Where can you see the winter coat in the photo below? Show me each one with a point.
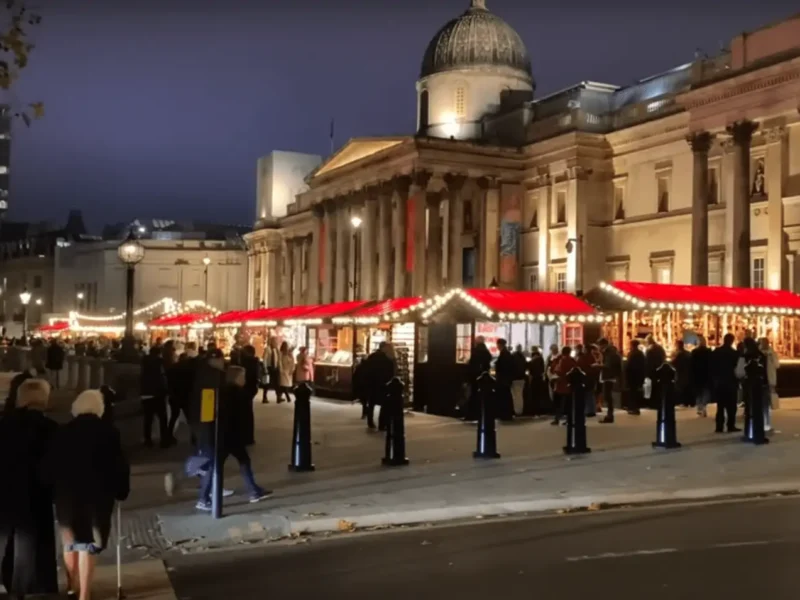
(683, 369)
(153, 379)
(88, 472)
(561, 369)
(701, 367)
(612, 364)
(304, 370)
(480, 361)
(26, 503)
(235, 402)
(773, 363)
(55, 357)
(635, 370)
(723, 366)
(504, 368)
(654, 358)
(380, 369)
(287, 370)
(252, 372)
(520, 365)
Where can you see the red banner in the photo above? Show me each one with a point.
(411, 207)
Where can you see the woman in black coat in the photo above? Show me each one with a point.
(88, 472)
(27, 534)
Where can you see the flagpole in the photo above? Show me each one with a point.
(332, 124)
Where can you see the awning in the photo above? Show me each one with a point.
(372, 313)
(230, 318)
(509, 305)
(715, 299)
(316, 315)
(56, 327)
(276, 316)
(172, 321)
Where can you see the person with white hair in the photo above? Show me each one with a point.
(88, 473)
(27, 533)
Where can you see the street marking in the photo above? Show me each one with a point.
(607, 555)
(742, 544)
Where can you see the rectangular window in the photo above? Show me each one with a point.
(663, 273)
(715, 270)
(560, 208)
(663, 194)
(561, 281)
(758, 273)
(618, 272)
(461, 104)
(533, 280)
(619, 202)
(573, 334)
(467, 216)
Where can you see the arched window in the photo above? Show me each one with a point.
(423, 111)
(461, 102)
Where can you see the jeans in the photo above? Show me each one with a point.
(727, 396)
(517, 389)
(245, 470)
(702, 396)
(591, 404)
(155, 406)
(608, 398)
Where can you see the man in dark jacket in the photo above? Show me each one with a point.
(701, 376)
(55, 361)
(634, 377)
(504, 375)
(726, 386)
(681, 362)
(252, 376)
(518, 382)
(610, 373)
(480, 362)
(380, 368)
(153, 390)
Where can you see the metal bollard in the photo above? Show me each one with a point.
(301, 434)
(487, 434)
(755, 384)
(395, 455)
(576, 414)
(666, 427)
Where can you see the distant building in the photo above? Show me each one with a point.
(90, 278)
(281, 176)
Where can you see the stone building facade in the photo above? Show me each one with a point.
(690, 176)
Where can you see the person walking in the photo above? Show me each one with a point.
(480, 362)
(539, 388)
(285, 372)
(304, 369)
(773, 363)
(54, 362)
(563, 389)
(180, 378)
(505, 371)
(726, 385)
(586, 363)
(272, 364)
(682, 363)
(701, 376)
(153, 390)
(381, 368)
(233, 432)
(252, 374)
(610, 373)
(634, 377)
(27, 530)
(88, 473)
(520, 372)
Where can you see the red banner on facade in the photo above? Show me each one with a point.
(411, 208)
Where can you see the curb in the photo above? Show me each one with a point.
(237, 529)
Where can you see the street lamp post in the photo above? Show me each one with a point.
(206, 263)
(131, 253)
(25, 298)
(356, 222)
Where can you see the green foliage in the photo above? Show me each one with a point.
(17, 20)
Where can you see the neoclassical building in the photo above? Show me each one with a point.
(689, 176)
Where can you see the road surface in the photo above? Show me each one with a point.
(722, 551)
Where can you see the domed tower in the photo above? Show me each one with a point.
(468, 65)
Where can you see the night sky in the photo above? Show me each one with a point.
(160, 108)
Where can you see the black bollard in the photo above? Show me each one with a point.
(755, 384)
(487, 435)
(666, 427)
(395, 455)
(301, 435)
(576, 414)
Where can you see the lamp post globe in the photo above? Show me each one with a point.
(130, 253)
(25, 298)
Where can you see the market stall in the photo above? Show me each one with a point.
(673, 312)
(448, 324)
(54, 329)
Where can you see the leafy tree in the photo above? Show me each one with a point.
(17, 20)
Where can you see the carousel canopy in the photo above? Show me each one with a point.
(716, 299)
(510, 305)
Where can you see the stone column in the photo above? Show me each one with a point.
(297, 271)
(742, 133)
(492, 231)
(385, 238)
(328, 250)
(418, 195)
(264, 274)
(313, 285)
(341, 279)
(369, 238)
(455, 225)
(272, 276)
(544, 219)
(700, 143)
(434, 283)
(287, 266)
(251, 279)
(791, 271)
(399, 233)
(775, 163)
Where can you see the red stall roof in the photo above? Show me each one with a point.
(54, 327)
(509, 305)
(265, 316)
(180, 320)
(373, 312)
(334, 311)
(232, 316)
(711, 298)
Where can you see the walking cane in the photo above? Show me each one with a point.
(120, 593)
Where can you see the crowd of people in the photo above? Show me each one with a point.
(79, 468)
(529, 383)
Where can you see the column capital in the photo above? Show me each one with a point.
(421, 178)
(700, 141)
(318, 210)
(489, 182)
(455, 181)
(742, 131)
(401, 184)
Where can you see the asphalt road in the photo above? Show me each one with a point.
(723, 551)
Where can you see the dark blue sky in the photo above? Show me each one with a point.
(160, 108)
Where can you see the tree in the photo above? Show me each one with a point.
(17, 20)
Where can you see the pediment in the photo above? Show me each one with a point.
(355, 150)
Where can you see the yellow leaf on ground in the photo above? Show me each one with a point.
(346, 526)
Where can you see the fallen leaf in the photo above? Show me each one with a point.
(479, 516)
(425, 543)
(316, 514)
(346, 526)
(597, 506)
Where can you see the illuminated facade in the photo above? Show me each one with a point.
(690, 176)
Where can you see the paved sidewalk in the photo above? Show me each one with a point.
(146, 579)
